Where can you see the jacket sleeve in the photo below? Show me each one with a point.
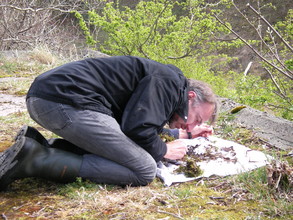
(147, 111)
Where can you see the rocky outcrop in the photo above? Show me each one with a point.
(276, 131)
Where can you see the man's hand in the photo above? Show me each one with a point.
(202, 130)
(175, 150)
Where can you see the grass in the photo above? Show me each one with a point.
(245, 196)
(275, 201)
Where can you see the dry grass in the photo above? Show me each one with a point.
(247, 196)
(87, 201)
(43, 55)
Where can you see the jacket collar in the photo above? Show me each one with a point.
(182, 106)
(182, 109)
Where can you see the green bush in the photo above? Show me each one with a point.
(156, 30)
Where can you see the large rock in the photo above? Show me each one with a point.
(276, 131)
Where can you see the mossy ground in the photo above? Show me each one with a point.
(34, 198)
(245, 196)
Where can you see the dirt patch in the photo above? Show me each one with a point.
(11, 104)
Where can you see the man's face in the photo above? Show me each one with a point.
(196, 115)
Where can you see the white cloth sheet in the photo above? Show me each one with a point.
(217, 157)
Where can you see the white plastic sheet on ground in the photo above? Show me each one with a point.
(217, 157)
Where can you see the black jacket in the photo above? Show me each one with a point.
(140, 94)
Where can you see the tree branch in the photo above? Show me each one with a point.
(37, 9)
(281, 94)
(187, 54)
(254, 50)
(155, 24)
(275, 54)
(276, 32)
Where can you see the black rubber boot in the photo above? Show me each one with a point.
(59, 143)
(65, 145)
(28, 158)
(33, 133)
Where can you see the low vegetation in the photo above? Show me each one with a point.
(186, 34)
(265, 193)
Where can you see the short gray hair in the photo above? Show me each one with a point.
(204, 94)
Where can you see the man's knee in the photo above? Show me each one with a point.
(147, 175)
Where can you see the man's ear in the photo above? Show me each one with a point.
(191, 95)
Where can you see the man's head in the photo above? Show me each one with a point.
(202, 106)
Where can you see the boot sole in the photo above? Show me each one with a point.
(31, 132)
(22, 132)
(7, 157)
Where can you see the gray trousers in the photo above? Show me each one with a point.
(113, 158)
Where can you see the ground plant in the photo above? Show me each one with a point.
(186, 34)
(250, 195)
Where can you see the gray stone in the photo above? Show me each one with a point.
(274, 130)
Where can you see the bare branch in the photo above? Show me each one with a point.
(281, 93)
(142, 51)
(275, 54)
(247, 69)
(276, 32)
(254, 50)
(16, 40)
(32, 25)
(37, 9)
(172, 214)
(187, 54)
(26, 24)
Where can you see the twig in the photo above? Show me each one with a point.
(276, 32)
(254, 50)
(247, 68)
(17, 40)
(275, 54)
(155, 24)
(278, 181)
(216, 197)
(275, 82)
(36, 10)
(3, 216)
(169, 213)
(187, 54)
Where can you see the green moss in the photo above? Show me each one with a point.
(237, 109)
(200, 202)
(247, 197)
(190, 169)
(166, 138)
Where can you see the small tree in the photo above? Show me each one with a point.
(188, 34)
(153, 30)
(273, 48)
